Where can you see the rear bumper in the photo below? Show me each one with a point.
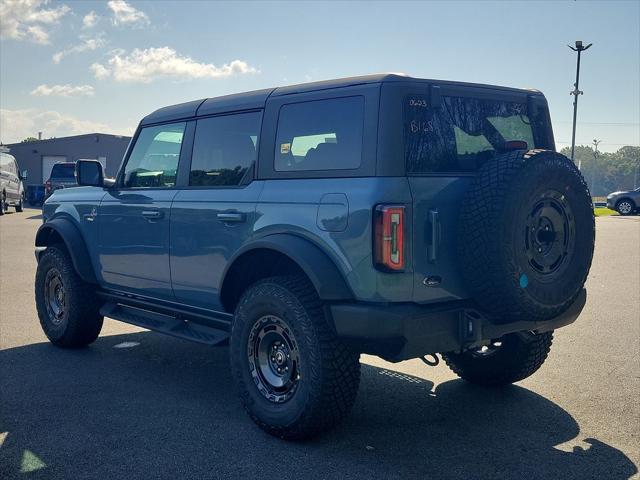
(401, 332)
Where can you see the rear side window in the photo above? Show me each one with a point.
(224, 149)
(63, 170)
(462, 134)
(320, 135)
(153, 162)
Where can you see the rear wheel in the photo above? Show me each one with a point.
(505, 360)
(625, 207)
(294, 376)
(19, 205)
(67, 306)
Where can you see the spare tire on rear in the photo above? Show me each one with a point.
(526, 235)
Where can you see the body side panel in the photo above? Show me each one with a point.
(291, 207)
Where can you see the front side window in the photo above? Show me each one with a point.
(224, 149)
(320, 135)
(153, 163)
(463, 133)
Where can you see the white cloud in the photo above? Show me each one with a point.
(15, 125)
(63, 90)
(146, 65)
(24, 19)
(125, 14)
(90, 20)
(99, 71)
(86, 45)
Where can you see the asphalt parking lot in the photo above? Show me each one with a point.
(137, 404)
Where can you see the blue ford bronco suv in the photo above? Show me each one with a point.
(308, 224)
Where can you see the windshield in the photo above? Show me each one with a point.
(464, 133)
(63, 170)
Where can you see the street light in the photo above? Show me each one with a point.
(595, 164)
(576, 91)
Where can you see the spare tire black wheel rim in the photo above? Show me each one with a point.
(550, 235)
(274, 359)
(54, 294)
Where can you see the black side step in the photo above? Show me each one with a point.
(171, 325)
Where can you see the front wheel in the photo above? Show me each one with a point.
(294, 376)
(20, 205)
(3, 203)
(505, 360)
(625, 207)
(68, 307)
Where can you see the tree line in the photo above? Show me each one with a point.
(609, 171)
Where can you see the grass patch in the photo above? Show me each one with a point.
(603, 212)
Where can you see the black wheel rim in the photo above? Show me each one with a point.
(549, 235)
(55, 297)
(274, 359)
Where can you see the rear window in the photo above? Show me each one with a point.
(320, 135)
(462, 134)
(63, 170)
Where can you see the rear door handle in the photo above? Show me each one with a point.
(152, 214)
(234, 217)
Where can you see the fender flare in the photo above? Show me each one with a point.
(319, 268)
(73, 240)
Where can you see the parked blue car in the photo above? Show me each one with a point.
(308, 224)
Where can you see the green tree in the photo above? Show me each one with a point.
(29, 139)
(608, 172)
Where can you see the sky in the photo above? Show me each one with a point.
(75, 67)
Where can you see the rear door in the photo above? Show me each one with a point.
(214, 213)
(134, 217)
(447, 137)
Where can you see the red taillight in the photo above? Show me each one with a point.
(389, 237)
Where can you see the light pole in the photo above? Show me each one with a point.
(576, 91)
(595, 162)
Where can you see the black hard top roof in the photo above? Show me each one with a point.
(257, 98)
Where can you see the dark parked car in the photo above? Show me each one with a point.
(625, 203)
(308, 224)
(62, 176)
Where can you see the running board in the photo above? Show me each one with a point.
(171, 325)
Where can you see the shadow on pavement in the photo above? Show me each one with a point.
(166, 409)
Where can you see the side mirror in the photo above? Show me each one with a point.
(89, 173)
(24, 174)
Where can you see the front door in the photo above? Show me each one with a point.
(214, 215)
(134, 217)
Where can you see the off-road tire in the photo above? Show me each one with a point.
(329, 371)
(81, 322)
(519, 356)
(499, 228)
(624, 211)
